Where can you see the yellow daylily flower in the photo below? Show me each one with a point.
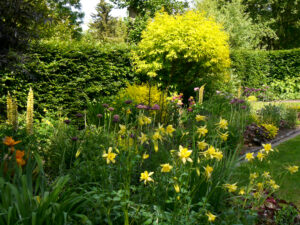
(253, 176)
(184, 154)
(249, 157)
(166, 167)
(242, 191)
(110, 156)
(223, 124)
(208, 171)
(156, 136)
(202, 131)
(267, 148)
(145, 156)
(202, 145)
(293, 169)
(170, 130)
(224, 136)
(177, 188)
(146, 177)
(211, 217)
(200, 118)
(143, 138)
(260, 155)
(231, 187)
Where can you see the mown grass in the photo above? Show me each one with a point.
(259, 105)
(288, 154)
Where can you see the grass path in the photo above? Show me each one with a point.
(289, 154)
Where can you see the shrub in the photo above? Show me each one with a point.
(63, 74)
(279, 69)
(271, 129)
(183, 50)
(143, 94)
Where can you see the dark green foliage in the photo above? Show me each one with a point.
(255, 68)
(64, 75)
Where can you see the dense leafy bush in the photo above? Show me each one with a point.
(183, 51)
(63, 74)
(279, 69)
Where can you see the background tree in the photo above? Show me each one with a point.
(23, 21)
(140, 11)
(142, 7)
(105, 27)
(283, 17)
(243, 32)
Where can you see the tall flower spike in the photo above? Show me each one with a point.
(15, 114)
(9, 105)
(29, 113)
(201, 91)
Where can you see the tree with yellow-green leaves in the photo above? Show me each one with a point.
(183, 50)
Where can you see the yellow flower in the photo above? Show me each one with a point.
(260, 155)
(110, 156)
(78, 153)
(242, 191)
(211, 217)
(210, 152)
(156, 136)
(200, 118)
(266, 174)
(252, 98)
(143, 138)
(198, 171)
(202, 131)
(231, 187)
(155, 143)
(208, 171)
(273, 184)
(260, 186)
(177, 188)
(256, 195)
(293, 169)
(170, 130)
(223, 124)
(267, 148)
(202, 145)
(160, 129)
(166, 167)
(218, 155)
(141, 120)
(147, 120)
(253, 176)
(122, 130)
(145, 156)
(128, 111)
(184, 154)
(249, 156)
(146, 177)
(224, 136)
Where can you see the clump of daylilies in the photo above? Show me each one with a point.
(19, 155)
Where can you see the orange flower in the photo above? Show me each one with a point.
(10, 142)
(19, 158)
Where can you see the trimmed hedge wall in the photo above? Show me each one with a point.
(255, 68)
(62, 75)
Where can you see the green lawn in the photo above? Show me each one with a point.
(258, 105)
(289, 154)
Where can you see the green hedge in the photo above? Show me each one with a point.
(63, 74)
(255, 68)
